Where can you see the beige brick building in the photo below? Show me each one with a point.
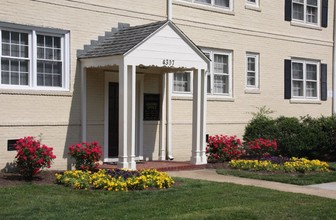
(149, 89)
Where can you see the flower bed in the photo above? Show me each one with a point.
(115, 180)
(301, 165)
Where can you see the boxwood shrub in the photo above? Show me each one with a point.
(309, 137)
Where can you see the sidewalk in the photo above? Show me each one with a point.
(323, 190)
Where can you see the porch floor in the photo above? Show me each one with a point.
(160, 165)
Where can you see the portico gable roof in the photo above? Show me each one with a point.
(156, 44)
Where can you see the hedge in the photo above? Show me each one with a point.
(313, 138)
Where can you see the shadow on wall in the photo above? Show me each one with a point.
(73, 135)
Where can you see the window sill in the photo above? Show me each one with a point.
(36, 93)
(252, 91)
(305, 101)
(304, 25)
(204, 7)
(220, 98)
(253, 8)
(182, 97)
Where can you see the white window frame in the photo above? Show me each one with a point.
(318, 82)
(230, 8)
(304, 21)
(255, 4)
(190, 84)
(256, 56)
(32, 56)
(211, 72)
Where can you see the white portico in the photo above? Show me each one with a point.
(160, 46)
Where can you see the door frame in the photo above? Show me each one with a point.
(114, 77)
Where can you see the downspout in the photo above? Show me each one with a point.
(334, 64)
(170, 10)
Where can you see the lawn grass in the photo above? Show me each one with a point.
(297, 179)
(189, 199)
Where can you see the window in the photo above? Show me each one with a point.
(182, 82)
(217, 3)
(306, 11)
(252, 71)
(252, 2)
(33, 58)
(312, 12)
(219, 79)
(305, 79)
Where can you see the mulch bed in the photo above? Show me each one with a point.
(14, 179)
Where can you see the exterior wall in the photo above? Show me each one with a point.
(264, 32)
(57, 114)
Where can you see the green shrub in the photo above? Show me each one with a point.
(309, 137)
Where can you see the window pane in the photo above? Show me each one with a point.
(251, 64)
(4, 77)
(48, 67)
(298, 11)
(24, 66)
(221, 84)
(221, 64)
(24, 39)
(181, 82)
(311, 89)
(203, 1)
(15, 38)
(56, 80)
(40, 80)
(40, 40)
(24, 51)
(5, 37)
(48, 41)
(297, 88)
(5, 49)
(223, 3)
(57, 42)
(208, 83)
(15, 50)
(48, 80)
(311, 72)
(297, 69)
(49, 54)
(251, 79)
(40, 53)
(312, 2)
(5, 64)
(14, 78)
(14, 65)
(24, 79)
(312, 15)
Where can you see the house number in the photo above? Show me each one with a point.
(168, 62)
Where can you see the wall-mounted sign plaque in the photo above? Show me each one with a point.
(151, 107)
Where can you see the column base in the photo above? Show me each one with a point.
(198, 160)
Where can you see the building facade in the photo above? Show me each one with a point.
(118, 73)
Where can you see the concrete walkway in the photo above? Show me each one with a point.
(323, 190)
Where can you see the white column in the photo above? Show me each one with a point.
(123, 110)
(162, 153)
(334, 67)
(203, 116)
(198, 124)
(131, 72)
(83, 103)
(169, 117)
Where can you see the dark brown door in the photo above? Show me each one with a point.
(113, 128)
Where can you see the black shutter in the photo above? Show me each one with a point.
(324, 20)
(324, 82)
(288, 79)
(288, 10)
